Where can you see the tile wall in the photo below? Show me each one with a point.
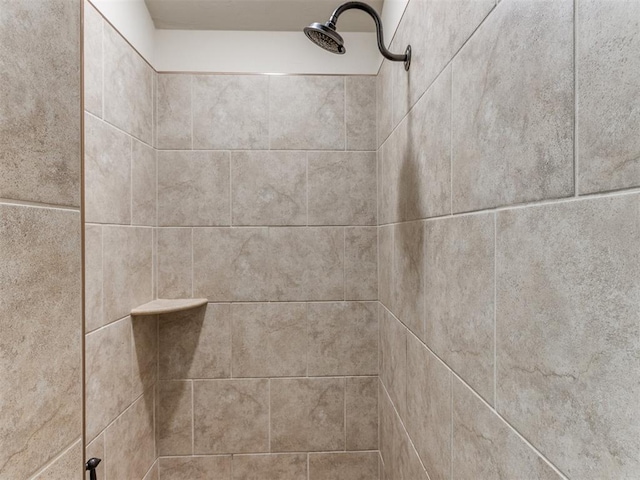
(509, 233)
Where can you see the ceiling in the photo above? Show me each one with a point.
(255, 15)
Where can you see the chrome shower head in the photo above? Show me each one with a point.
(325, 36)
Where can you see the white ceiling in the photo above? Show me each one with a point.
(255, 15)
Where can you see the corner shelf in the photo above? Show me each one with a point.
(161, 305)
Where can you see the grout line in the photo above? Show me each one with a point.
(576, 177)
(48, 206)
(106, 122)
(55, 458)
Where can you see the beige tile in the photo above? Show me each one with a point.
(94, 317)
(40, 97)
(343, 338)
(384, 105)
(460, 306)
(269, 188)
(196, 343)
(231, 416)
(360, 113)
(107, 173)
(408, 275)
(129, 441)
(231, 264)
(342, 188)
(143, 184)
(485, 447)
(195, 468)
(144, 353)
(174, 418)
(41, 325)
(346, 466)
(567, 332)
(96, 449)
(608, 39)
(193, 188)
(93, 25)
(393, 359)
(108, 375)
(154, 124)
(307, 112)
(127, 269)
(153, 473)
(389, 178)
(307, 263)
(230, 112)
(269, 339)
(429, 409)
(174, 111)
(385, 265)
(68, 466)
(517, 146)
(307, 414)
(175, 269)
(128, 87)
(361, 407)
(270, 467)
(361, 263)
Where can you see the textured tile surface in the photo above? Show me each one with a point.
(361, 407)
(361, 263)
(393, 359)
(144, 193)
(360, 113)
(385, 265)
(175, 269)
(270, 467)
(174, 418)
(195, 468)
(68, 466)
(93, 25)
(348, 466)
(94, 317)
(144, 353)
(175, 122)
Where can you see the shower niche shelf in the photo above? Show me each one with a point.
(162, 305)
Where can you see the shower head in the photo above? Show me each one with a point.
(325, 35)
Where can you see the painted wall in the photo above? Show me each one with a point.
(508, 241)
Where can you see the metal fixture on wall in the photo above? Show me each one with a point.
(325, 35)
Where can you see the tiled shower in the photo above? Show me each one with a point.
(416, 275)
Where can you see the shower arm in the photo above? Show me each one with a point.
(394, 57)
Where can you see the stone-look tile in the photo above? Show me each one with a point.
(345, 466)
(231, 416)
(385, 265)
(154, 125)
(96, 449)
(143, 184)
(144, 354)
(269, 188)
(175, 270)
(307, 414)
(361, 113)
(417, 162)
(174, 417)
(153, 473)
(154, 263)
(307, 263)
(231, 264)
(270, 467)
(127, 269)
(230, 112)
(94, 317)
(41, 325)
(567, 332)
(193, 188)
(429, 409)
(128, 87)
(129, 442)
(393, 359)
(517, 146)
(40, 98)
(435, 30)
(361, 403)
(66, 467)
(384, 104)
(608, 36)
(460, 289)
(174, 112)
(485, 447)
(108, 375)
(307, 112)
(269, 339)
(342, 188)
(343, 338)
(196, 343)
(93, 25)
(361, 263)
(195, 468)
(408, 275)
(389, 178)
(107, 173)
